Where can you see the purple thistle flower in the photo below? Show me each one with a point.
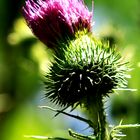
(55, 20)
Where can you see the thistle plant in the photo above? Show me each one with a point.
(85, 70)
(88, 72)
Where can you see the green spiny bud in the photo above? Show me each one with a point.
(87, 70)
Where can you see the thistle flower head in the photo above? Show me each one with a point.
(55, 20)
(88, 71)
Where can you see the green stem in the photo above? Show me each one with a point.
(102, 125)
(98, 117)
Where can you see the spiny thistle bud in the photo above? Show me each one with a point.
(89, 70)
(55, 20)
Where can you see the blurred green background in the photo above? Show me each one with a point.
(24, 61)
